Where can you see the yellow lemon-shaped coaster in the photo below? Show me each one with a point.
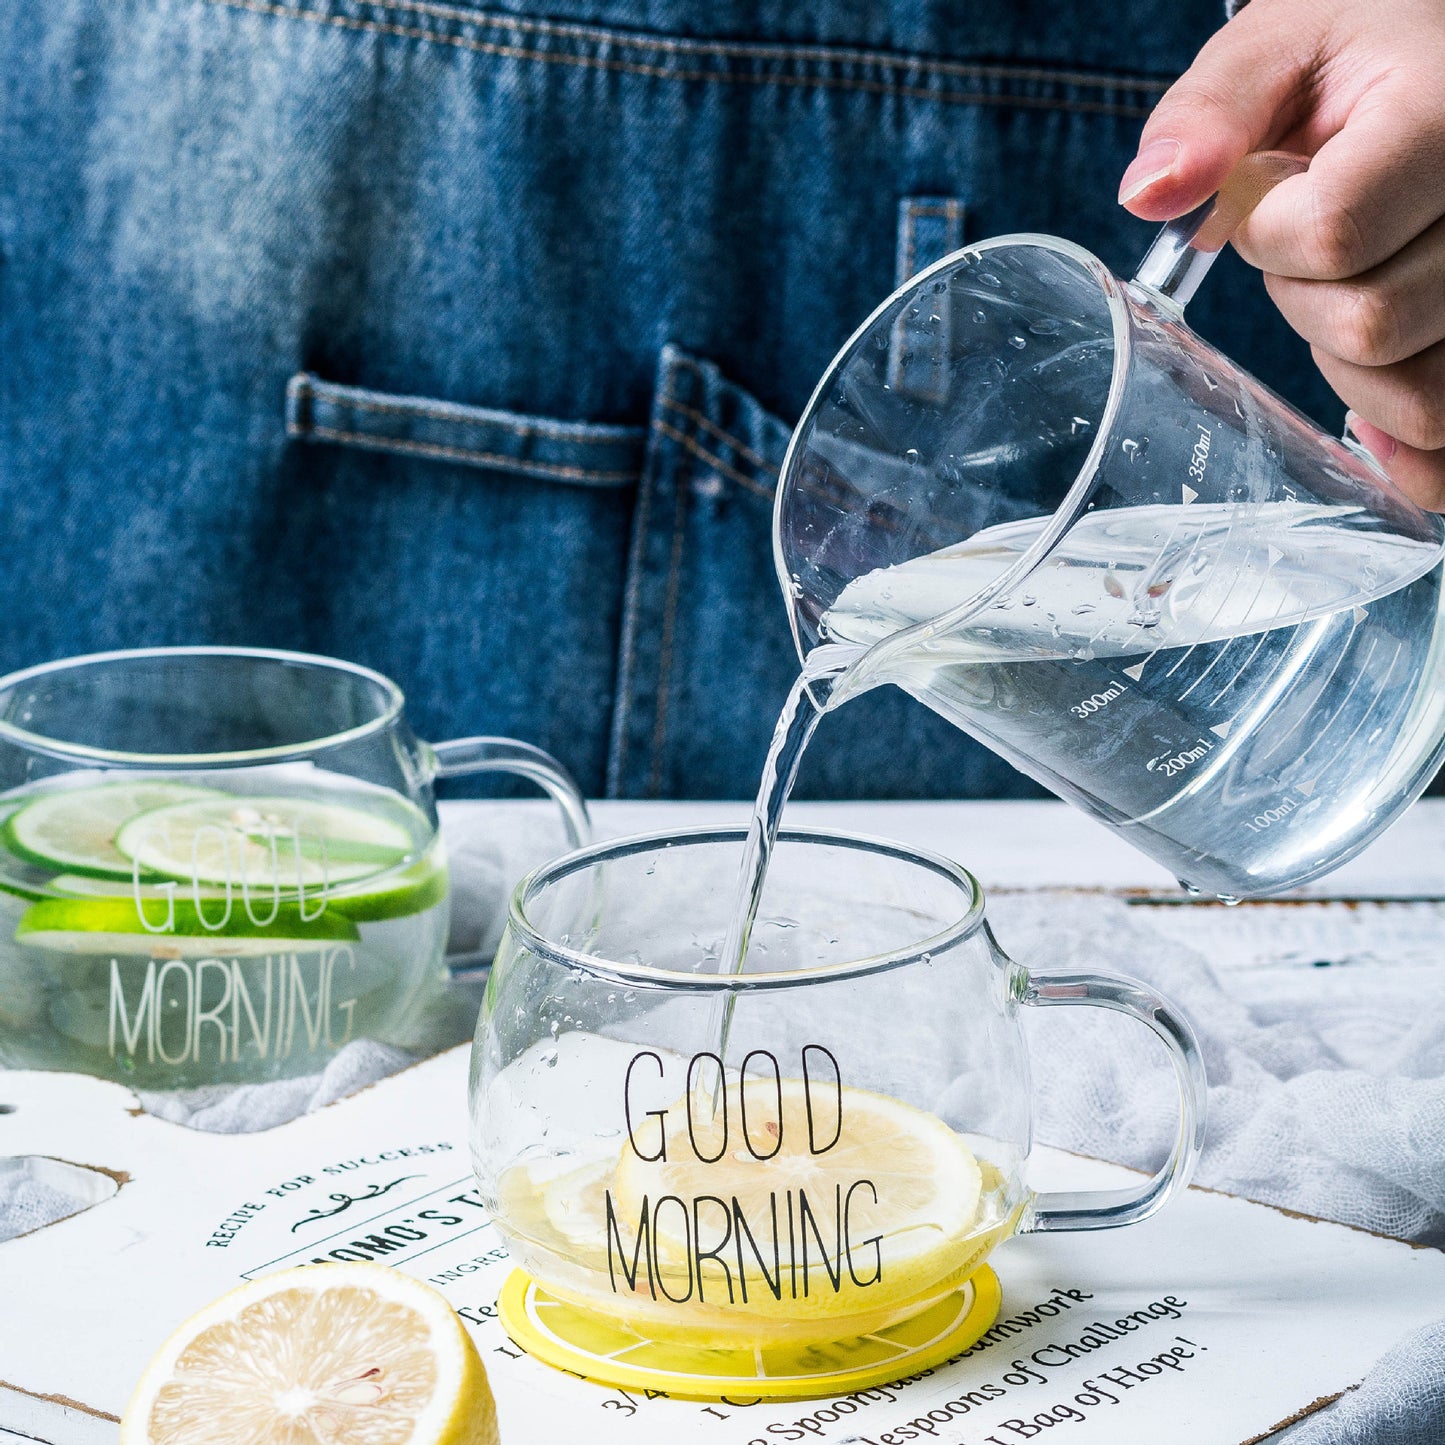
(607, 1351)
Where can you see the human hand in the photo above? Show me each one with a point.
(1353, 251)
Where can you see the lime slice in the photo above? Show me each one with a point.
(398, 895)
(413, 890)
(264, 843)
(74, 830)
(77, 885)
(113, 925)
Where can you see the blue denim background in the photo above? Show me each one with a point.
(464, 344)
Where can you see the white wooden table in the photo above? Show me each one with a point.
(1383, 913)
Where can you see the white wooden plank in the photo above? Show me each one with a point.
(1274, 1312)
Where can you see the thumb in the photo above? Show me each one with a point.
(1246, 89)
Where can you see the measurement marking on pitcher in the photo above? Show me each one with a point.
(1271, 816)
(1098, 700)
(1198, 462)
(1172, 764)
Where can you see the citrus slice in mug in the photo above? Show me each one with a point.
(874, 1205)
(334, 1352)
(113, 926)
(73, 830)
(264, 842)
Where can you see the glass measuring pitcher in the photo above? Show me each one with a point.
(222, 864)
(819, 1219)
(1028, 494)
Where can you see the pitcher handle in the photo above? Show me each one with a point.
(461, 757)
(1185, 249)
(1109, 1208)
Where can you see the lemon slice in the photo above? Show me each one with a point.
(335, 1354)
(264, 842)
(883, 1198)
(74, 830)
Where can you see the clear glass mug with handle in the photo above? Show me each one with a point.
(1027, 493)
(222, 864)
(806, 1201)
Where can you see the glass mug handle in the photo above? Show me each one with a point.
(1109, 1208)
(1184, 250)
(463, 757)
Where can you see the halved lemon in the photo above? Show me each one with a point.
(334, 1354)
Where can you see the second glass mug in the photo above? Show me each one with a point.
(761, 1206)
(222, 864)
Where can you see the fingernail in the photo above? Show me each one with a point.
(1150, 166)
(1380, 444)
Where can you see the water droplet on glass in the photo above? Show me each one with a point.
(1160, 587)
(1028, 601)
(1210, 382)
(1044, 326)
(989, 279)
(1082, 608)
(1228, 900)
(881, 341)
(979, 317)
(1112, 585)
(1079, 423)
(1017, 342)
(939, 287)
(1129, 447)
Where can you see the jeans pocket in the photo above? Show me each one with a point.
(707, 656)
(576, 453)
(477, 556)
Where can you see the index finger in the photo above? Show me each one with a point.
(1370, 189)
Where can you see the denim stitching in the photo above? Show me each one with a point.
(723, 436)
(747, 50)
(513, 52)
(341, 396)
(681, 478)
(698, 451)
(462, 454)
(632, 605)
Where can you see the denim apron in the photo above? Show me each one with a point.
(465, 342)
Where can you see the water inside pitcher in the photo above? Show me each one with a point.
(1028, 494)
